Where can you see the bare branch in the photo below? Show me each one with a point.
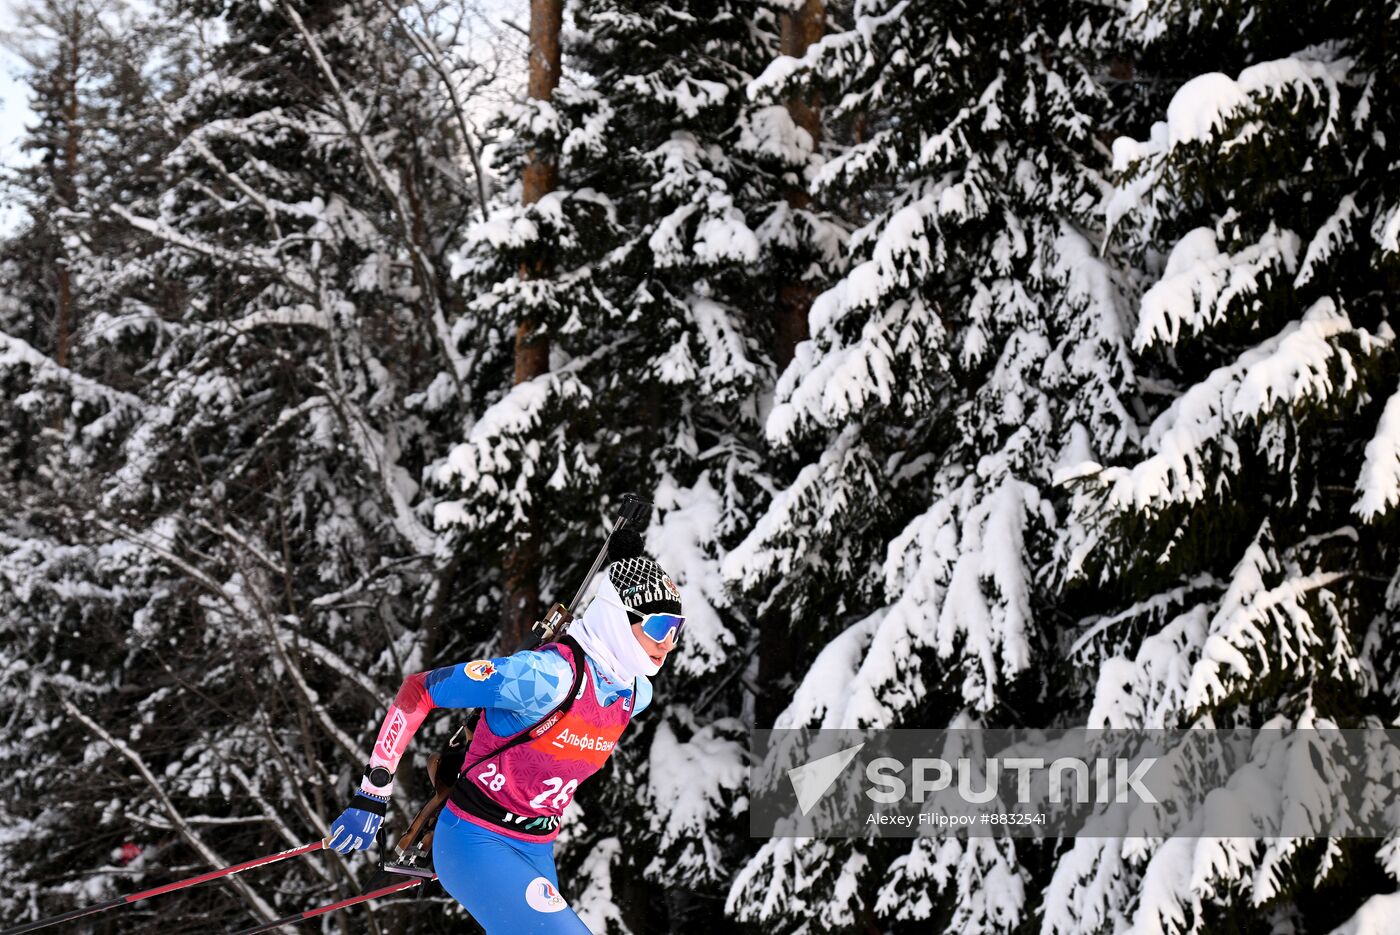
(353, 120)
(177, 820)
(435, 62)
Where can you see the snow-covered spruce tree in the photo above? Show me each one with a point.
(1253, 538)
(976, 342)
(242, 565)
(66, 597)
(95, 139)
(69, 54)
(652, 270)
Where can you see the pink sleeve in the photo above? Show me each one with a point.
(411, 705)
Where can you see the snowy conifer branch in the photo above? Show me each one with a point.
(14, 352)
(716, 767)
(353, 121)
(387, 567)
(1202, 287)
(260, 261)
(1379, 482)
(291, 315)
(206, 582)
(196, 140)
(1315, 362)
(395, 484)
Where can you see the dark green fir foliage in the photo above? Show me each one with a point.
(1252, 537)
(976, 341)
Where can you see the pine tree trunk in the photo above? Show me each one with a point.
(531, 350)
(798, 29)
(546, 22)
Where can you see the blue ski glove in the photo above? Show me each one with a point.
(356, 827)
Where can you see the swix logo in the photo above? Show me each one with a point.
(569, 738)
(543, 727)
(392, 734)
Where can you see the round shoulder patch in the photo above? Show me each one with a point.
(542, 896)
(480, 669)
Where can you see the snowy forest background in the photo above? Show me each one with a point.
(1004, 363)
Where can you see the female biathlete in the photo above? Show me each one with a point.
(551, 716)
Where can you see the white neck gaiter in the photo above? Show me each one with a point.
(606, 635)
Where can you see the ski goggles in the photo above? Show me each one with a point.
(658, 626)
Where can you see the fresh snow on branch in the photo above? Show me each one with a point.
(47, 373)
(1203, 287)
(1379, 482)
(1313, 362)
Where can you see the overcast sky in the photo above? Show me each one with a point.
(14, 109)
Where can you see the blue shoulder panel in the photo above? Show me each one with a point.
(643, 695)
(529, 684)
(518, 691)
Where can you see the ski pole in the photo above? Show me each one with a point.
(332, 907)
(161, 890)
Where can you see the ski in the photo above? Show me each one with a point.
(332, 907)
(161, 890)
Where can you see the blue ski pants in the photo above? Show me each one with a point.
(511, 887)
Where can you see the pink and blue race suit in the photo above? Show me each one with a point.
(519, 784)
(550, 720)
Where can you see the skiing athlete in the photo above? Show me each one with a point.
(550, 718)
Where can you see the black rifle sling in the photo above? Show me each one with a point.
(568, 702)
(451, 786)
